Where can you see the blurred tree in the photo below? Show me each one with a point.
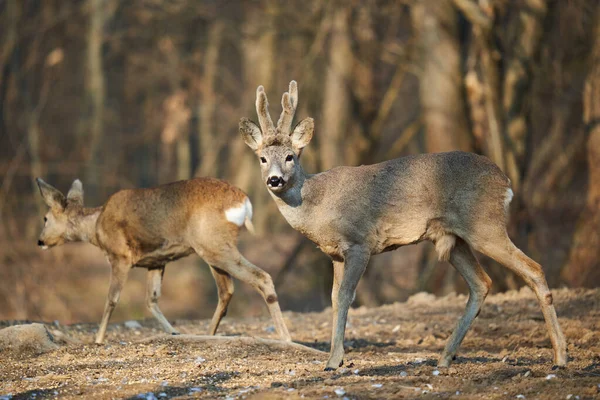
(440, 83)
(95, 92)
(583, 267)
(209, 144)
(336, 119)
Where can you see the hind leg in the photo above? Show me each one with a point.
(153, 286)
(229, 259)
(501, 248)
(225, 289)
(462, 258)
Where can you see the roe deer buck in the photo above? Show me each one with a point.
(457, 200)
(149, 227)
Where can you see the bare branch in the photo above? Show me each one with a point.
(404, 139)
(474, 14)
(388, 101)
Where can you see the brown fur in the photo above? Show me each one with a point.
(150, 227)
(457, 200)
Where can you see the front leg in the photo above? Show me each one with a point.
(118, 277)
(345, 279)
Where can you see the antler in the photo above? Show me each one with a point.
(289, 101)
(262, 109)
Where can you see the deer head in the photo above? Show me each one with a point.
(61, 221)
(278, 148)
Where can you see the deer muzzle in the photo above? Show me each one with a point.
(275, 181)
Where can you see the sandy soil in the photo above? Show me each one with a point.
(391, 353)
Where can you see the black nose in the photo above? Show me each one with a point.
(274, 181)
(40, 243)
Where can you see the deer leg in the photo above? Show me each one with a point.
(232, 262)
(225, 289)
(507, 254)
(154, 281)
(479, 283)
(345, 279)
(118, 277)
(338, 275)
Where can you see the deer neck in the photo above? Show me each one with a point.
(85, 226)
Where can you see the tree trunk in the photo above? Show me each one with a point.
(336, 103)
(95, 89)
(441, 90)
(583, 268)
(175, 144)
(517, 80)
(208, 140)
(35, 98)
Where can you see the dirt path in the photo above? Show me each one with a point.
(391, 353)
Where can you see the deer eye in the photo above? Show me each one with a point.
(263, 160)
(289, 158)
(45, 219)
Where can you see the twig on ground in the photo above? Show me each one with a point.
(245, 340)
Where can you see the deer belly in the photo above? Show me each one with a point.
(164, 254)
(391, 235)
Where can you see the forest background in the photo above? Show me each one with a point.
(124, 94)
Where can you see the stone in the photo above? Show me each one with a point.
(29, 339)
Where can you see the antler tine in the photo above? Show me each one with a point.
(294, 94)
(262, 109)
(289, 101)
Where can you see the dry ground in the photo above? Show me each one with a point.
(391, 353)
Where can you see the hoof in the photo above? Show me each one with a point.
(444, 362)
(561, 363)
(330, 368)
(175, 333)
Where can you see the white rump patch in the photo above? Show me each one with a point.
(237, 215)
(508, 198)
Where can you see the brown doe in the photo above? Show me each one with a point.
(150, 227)
(457, 200)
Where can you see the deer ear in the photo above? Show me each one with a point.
(52, 196)
(302, 133)
(250, 133)
(75, 195)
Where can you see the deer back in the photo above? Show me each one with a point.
(170, 218)
(399, 202)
